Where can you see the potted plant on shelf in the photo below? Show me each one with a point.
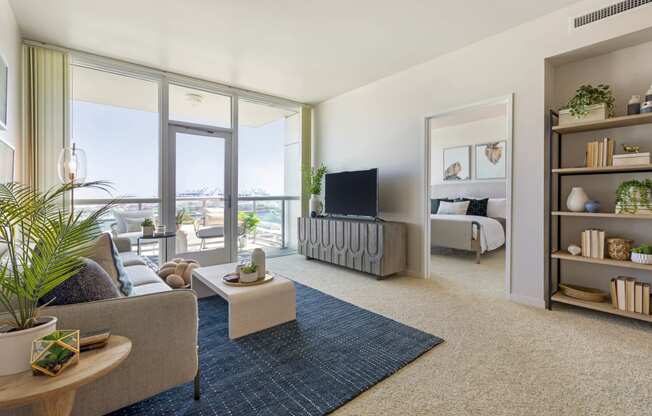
(148, 227)
(642, 254)
(41, 245)
(249, 222)
(588, 104)
(634, 197)
(312, 181)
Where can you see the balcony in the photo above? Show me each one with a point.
(200, 227)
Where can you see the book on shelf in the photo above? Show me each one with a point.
(600, 153)
(638, 297)
(592, 243)
(613, 292)
(629, 293)
(620, 287)
(631, 159)
(646, 299)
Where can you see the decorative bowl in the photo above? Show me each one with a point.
(642, 258)
(619, 248)
(583, 293)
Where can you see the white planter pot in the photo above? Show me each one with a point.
(248, 277)
(315, 204)
(242, 242)
(642, 258)
(576, 200)
(148, 231)
(596, 112)
(16, 346)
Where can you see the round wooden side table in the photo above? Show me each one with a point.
(55, 396)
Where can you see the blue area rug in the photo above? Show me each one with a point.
(332, 353)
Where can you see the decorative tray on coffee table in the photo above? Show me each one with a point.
(232, 279)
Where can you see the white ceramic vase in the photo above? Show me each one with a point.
(315, 204)
(258, 258)
(16, 347)
(248, 277)
(576, 200)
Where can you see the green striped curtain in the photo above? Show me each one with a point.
(45, 114)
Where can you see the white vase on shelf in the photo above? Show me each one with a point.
(577, 199)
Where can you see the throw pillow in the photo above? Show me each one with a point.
(477, 207)
(106, 255)
(434, 204)
(453, 208)
(89, 284)
(133, 224)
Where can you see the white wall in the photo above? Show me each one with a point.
(10, 48)
(382, 125)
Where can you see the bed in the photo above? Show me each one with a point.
(467, 232)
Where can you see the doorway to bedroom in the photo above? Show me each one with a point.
(468, 195)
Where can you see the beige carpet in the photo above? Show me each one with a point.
(499, 358)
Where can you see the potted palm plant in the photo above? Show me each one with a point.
(249, 222)
(312, 181)
(41, 245)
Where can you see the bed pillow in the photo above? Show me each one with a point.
(434, 204)
(497, 208)
(453, 208)
(477, 207)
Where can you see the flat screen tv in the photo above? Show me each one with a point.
(352, 193)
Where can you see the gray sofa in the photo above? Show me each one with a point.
(162, 326)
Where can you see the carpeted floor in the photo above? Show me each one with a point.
(499, 358)
(329, 355)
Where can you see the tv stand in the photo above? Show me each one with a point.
(378, 248)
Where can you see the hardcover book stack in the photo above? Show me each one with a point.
(629, 295)
(600, 153)
(593, 243)
(631, 159)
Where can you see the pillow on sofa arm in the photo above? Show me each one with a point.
(90, 284)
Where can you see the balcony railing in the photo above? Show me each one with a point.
(274, 212)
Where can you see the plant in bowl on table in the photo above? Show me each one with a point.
(148, 227)
(642, 254)
(248, 273)
(41, 246)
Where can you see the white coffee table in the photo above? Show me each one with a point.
(252, 308)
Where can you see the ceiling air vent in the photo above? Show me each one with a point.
(608, 11)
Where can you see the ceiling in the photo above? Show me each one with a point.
(304, 50)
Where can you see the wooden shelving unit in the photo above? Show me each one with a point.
(603, 215)
(556, 254)
(610, 123)
(599, 306)
(604, 169)
(564, 255)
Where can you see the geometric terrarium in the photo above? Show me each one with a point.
(53, 353)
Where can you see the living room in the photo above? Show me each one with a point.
(254, 198)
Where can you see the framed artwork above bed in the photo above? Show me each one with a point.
(490, 160)
(457, 164)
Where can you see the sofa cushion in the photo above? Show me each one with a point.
(151, 288)
(91, 283)
(141, 275)
(106, 255)
(129, 258)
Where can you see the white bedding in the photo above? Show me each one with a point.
(492, 234)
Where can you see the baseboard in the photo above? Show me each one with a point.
(527, 300)
(411, 273)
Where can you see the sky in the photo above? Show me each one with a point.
(122, 147)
